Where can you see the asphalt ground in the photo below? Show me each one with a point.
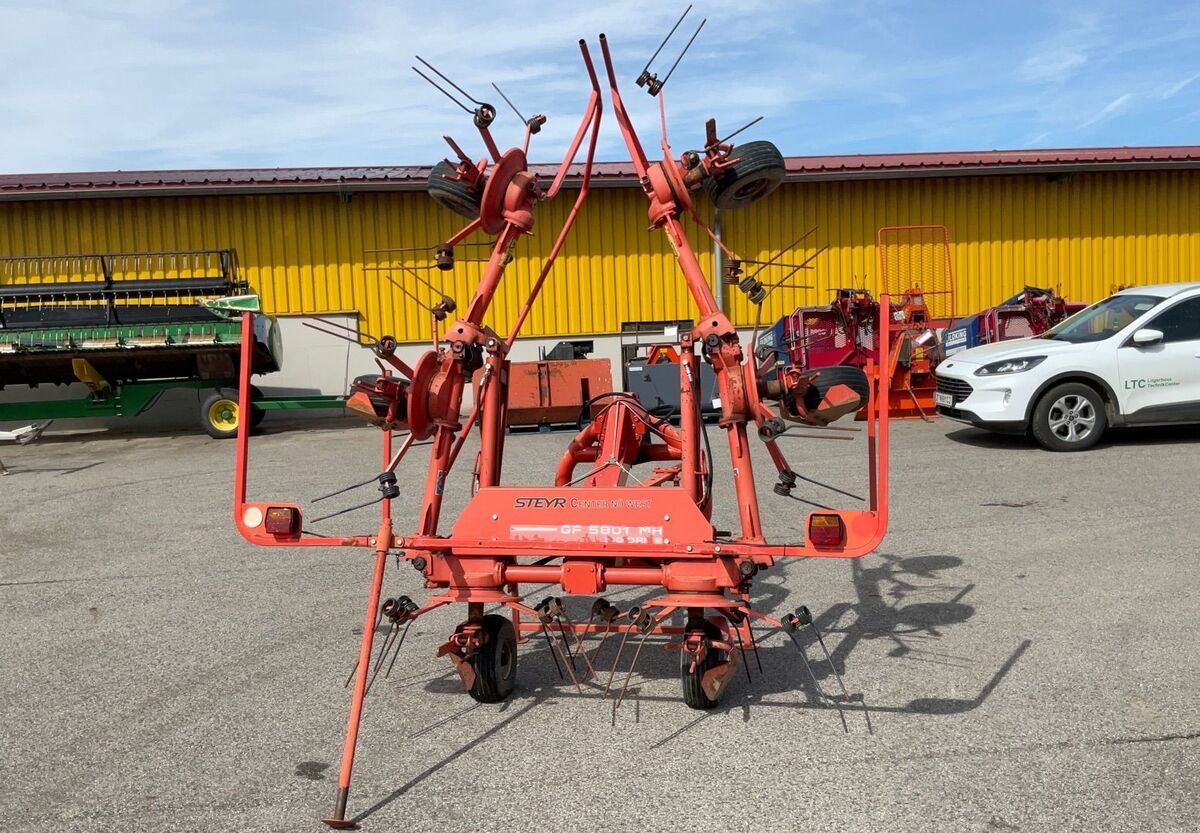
(1026, 643)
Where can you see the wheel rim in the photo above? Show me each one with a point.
(223, 415)
(505, 660)
(1072, 418)
(751, 190)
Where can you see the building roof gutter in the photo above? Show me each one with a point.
(349, 181)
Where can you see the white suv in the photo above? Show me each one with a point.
(1131, 359)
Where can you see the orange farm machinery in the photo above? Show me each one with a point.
(917, 276)
(631, 500)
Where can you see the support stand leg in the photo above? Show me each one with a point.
(338, 820)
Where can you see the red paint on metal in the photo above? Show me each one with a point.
(607, 527)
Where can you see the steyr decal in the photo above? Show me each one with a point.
(540, 503)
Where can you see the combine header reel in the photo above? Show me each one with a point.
(606, 521)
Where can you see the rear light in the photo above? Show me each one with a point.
(283, 521)
(826, 531)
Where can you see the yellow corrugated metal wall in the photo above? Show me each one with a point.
(309, 253)
(1086, 234)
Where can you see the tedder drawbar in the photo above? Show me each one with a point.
(598, 526)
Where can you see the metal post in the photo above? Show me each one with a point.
(718, 262)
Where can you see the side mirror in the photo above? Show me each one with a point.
(1146, 337)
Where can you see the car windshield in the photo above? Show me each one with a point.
(1102, 320)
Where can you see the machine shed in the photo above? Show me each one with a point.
(1082, 220)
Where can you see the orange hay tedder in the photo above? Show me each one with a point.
(602, 527)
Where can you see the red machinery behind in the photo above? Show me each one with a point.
(916, 272)
(1030, 313)
(607, 526)
(553, 390)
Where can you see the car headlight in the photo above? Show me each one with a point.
(1010, 366)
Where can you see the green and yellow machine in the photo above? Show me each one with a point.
(131, 326)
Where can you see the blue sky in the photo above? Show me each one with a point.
(143, 84)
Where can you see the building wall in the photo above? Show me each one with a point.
(1086, 234)
(312, 253)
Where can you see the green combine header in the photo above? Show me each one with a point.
(131, 326)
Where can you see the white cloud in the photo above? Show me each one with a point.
(1075, 36)
(1175, 89)
(1052, 66)
(1112, 108)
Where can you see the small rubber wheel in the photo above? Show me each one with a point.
(693, 692)
(852, 377)
(759, 171)
(454, 194)
(219, 414)
(495, 663)
(257, 415)
(1069, 417)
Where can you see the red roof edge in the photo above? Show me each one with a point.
(404, 177)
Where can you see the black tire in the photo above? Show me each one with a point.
(257, 415)
(759, 171)
(1069, 417)
(495, 663)
(693, 692)
(219, 414)
(854, 378)
(454, 193)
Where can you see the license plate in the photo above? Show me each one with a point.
(943, 399)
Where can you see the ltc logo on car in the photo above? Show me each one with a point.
(540, 503)
(1140, 384)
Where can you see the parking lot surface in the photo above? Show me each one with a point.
(1026, 643)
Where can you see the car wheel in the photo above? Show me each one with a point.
(1069, 417)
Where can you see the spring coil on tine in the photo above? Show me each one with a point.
(608, 614)
(548, 610)
(559, 612)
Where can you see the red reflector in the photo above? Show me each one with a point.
(826, 531)
(283, 520)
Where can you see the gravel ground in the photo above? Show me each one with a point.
(1026, 642)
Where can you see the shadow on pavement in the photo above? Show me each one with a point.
(905, 600)
(1113, 438)
(893, 604)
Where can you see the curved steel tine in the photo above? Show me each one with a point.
(632, 613)
(841, 683)
(651, 625)
(396, 652)
(354, 670)
(550, 647)
(820, 691)
(579, 644)
(393, 630)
